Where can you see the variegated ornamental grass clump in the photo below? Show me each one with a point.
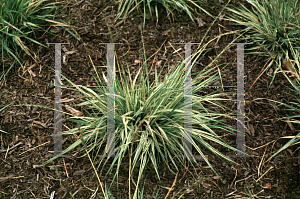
(149, 119)
(274, 28)
(19, 19)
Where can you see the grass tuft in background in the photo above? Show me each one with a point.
(19, 20)
(147, 7)
(274, 28)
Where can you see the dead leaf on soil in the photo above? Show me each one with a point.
(287, 64)
(73, 111)
(267, 186)
(67, 100)
(291, 126)
(77, 173)
(40, 123)
(200, 22)
(201, 158)
(137, 61)
(32, 73)
(158, 63)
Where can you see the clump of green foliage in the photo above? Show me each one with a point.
(19, 19)
(274, 28)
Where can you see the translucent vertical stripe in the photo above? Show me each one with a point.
(110, 100)
(57, 136)
(188, 102)
(240, 134)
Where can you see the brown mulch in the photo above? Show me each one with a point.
(31, 127)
